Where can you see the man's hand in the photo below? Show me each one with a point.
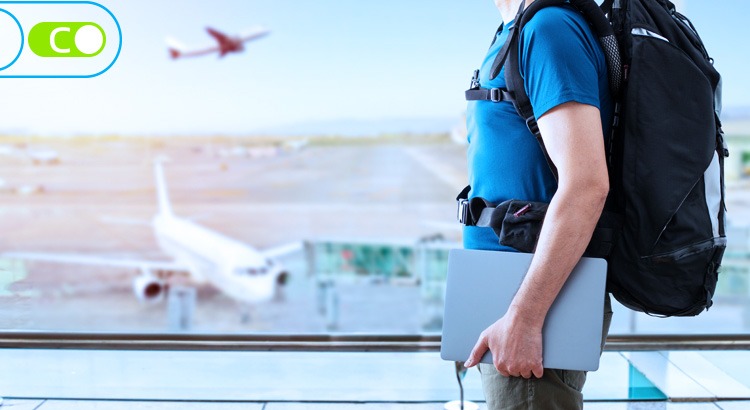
(516, 347)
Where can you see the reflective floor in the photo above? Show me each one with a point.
(62, 377)
(17, 404)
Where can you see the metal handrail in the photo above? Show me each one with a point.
(319, 343)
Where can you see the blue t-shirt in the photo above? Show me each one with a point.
(560, 61)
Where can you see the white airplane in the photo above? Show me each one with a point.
(225, 43)
(240, 271)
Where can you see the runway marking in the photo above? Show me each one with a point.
(443, 172)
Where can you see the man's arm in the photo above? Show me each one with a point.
(572, 134)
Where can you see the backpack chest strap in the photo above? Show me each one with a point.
(489, 94)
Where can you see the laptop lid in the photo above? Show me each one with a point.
(481, 286)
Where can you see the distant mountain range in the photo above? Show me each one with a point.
(365, 127)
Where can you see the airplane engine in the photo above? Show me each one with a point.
(283, 278)
(149, 289)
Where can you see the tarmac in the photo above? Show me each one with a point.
(99, 198)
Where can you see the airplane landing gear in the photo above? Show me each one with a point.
(279, 295)
(246, 314)
(181, 308)
(328, 303)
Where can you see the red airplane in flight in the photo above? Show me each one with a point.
(225, 44)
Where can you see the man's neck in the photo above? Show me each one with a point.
(509, 8)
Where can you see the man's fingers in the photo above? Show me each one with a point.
(503, 367)
(476, 354)
(518, 369)
(538, 371)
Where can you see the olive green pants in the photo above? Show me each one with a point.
(556, 390)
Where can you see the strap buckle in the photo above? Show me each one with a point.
(496, 95)
(463, 211)
(532, 125)
(474, 81)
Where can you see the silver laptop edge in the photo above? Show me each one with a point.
(481, 285)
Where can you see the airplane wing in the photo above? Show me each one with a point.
(282, 250)
(218, 35)
(253, 34)
(95, 260)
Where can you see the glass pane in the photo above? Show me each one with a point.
(307, 178)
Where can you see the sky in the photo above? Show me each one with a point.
(325, 61)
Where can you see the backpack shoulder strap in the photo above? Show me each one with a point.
(513, 80)
(521, 102)
(522, 17)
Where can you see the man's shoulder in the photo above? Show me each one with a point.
(555, 20)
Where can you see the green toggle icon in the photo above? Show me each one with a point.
(60, 39)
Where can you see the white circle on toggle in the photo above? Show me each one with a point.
(89, 39)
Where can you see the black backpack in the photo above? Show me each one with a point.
(662, 230)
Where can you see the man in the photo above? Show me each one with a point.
(565, 76)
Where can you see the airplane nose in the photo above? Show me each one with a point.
(282, 278)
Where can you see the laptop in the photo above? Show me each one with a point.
(481, 286)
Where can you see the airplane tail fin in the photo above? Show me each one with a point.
(175, 47)
(165, 207)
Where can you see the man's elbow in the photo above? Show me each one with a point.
(593, 191)
(598, 191)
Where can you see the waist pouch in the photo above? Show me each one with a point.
(521, 224)
(518, 224)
